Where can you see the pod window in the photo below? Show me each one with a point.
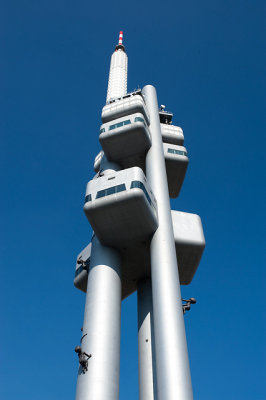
(119, 124)
(88, 198)
(139, 119)
(111, 190)
(138, 184)
(179, 152)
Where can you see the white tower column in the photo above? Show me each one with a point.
(172, 364)
(147, 369)
(102, 320)
(101, 327)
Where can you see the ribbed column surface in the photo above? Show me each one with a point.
(117, 83)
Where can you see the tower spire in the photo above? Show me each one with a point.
(120, 41)
(117, 83)
(120, 45)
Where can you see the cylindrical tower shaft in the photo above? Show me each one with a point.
(147, 370)
(101, 327)
(172, 364)
(117, 83)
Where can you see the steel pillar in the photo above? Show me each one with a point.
(172, 364)
(147, 372)
(101, 327)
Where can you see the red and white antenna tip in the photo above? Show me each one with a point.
(120, 41)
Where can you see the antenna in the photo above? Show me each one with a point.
(120, 41)
(120, 45)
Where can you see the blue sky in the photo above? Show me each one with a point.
(207, 61)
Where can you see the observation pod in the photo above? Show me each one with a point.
(189, 246)
(126, 140)
(121, 207)
(189, 243)
(172, 134)
(176, 162)
(131, 103)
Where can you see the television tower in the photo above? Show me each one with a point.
(138, 244)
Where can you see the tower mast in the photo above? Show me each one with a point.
(138, 244)
(117, 82)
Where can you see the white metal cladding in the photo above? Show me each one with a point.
(190, 243)
(117, 83)
(125, 106)
(172, 134)
(125, 137)
(176, 162)
(121, 208)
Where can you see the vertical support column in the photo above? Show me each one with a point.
(101, 327)
(172, 364)
(147, 372)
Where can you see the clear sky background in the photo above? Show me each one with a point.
(207, 60)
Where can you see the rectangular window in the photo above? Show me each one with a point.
(180, 152)
(101, 193)
(120, 188)
(111, 190)
(88, 198)
(138, 184)
(119, 124)
(139, 119)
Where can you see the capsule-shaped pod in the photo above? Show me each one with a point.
(130, 104)
(125, 137)
(189, 243)
(172, 134)
(121, 207)
(176, 162)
